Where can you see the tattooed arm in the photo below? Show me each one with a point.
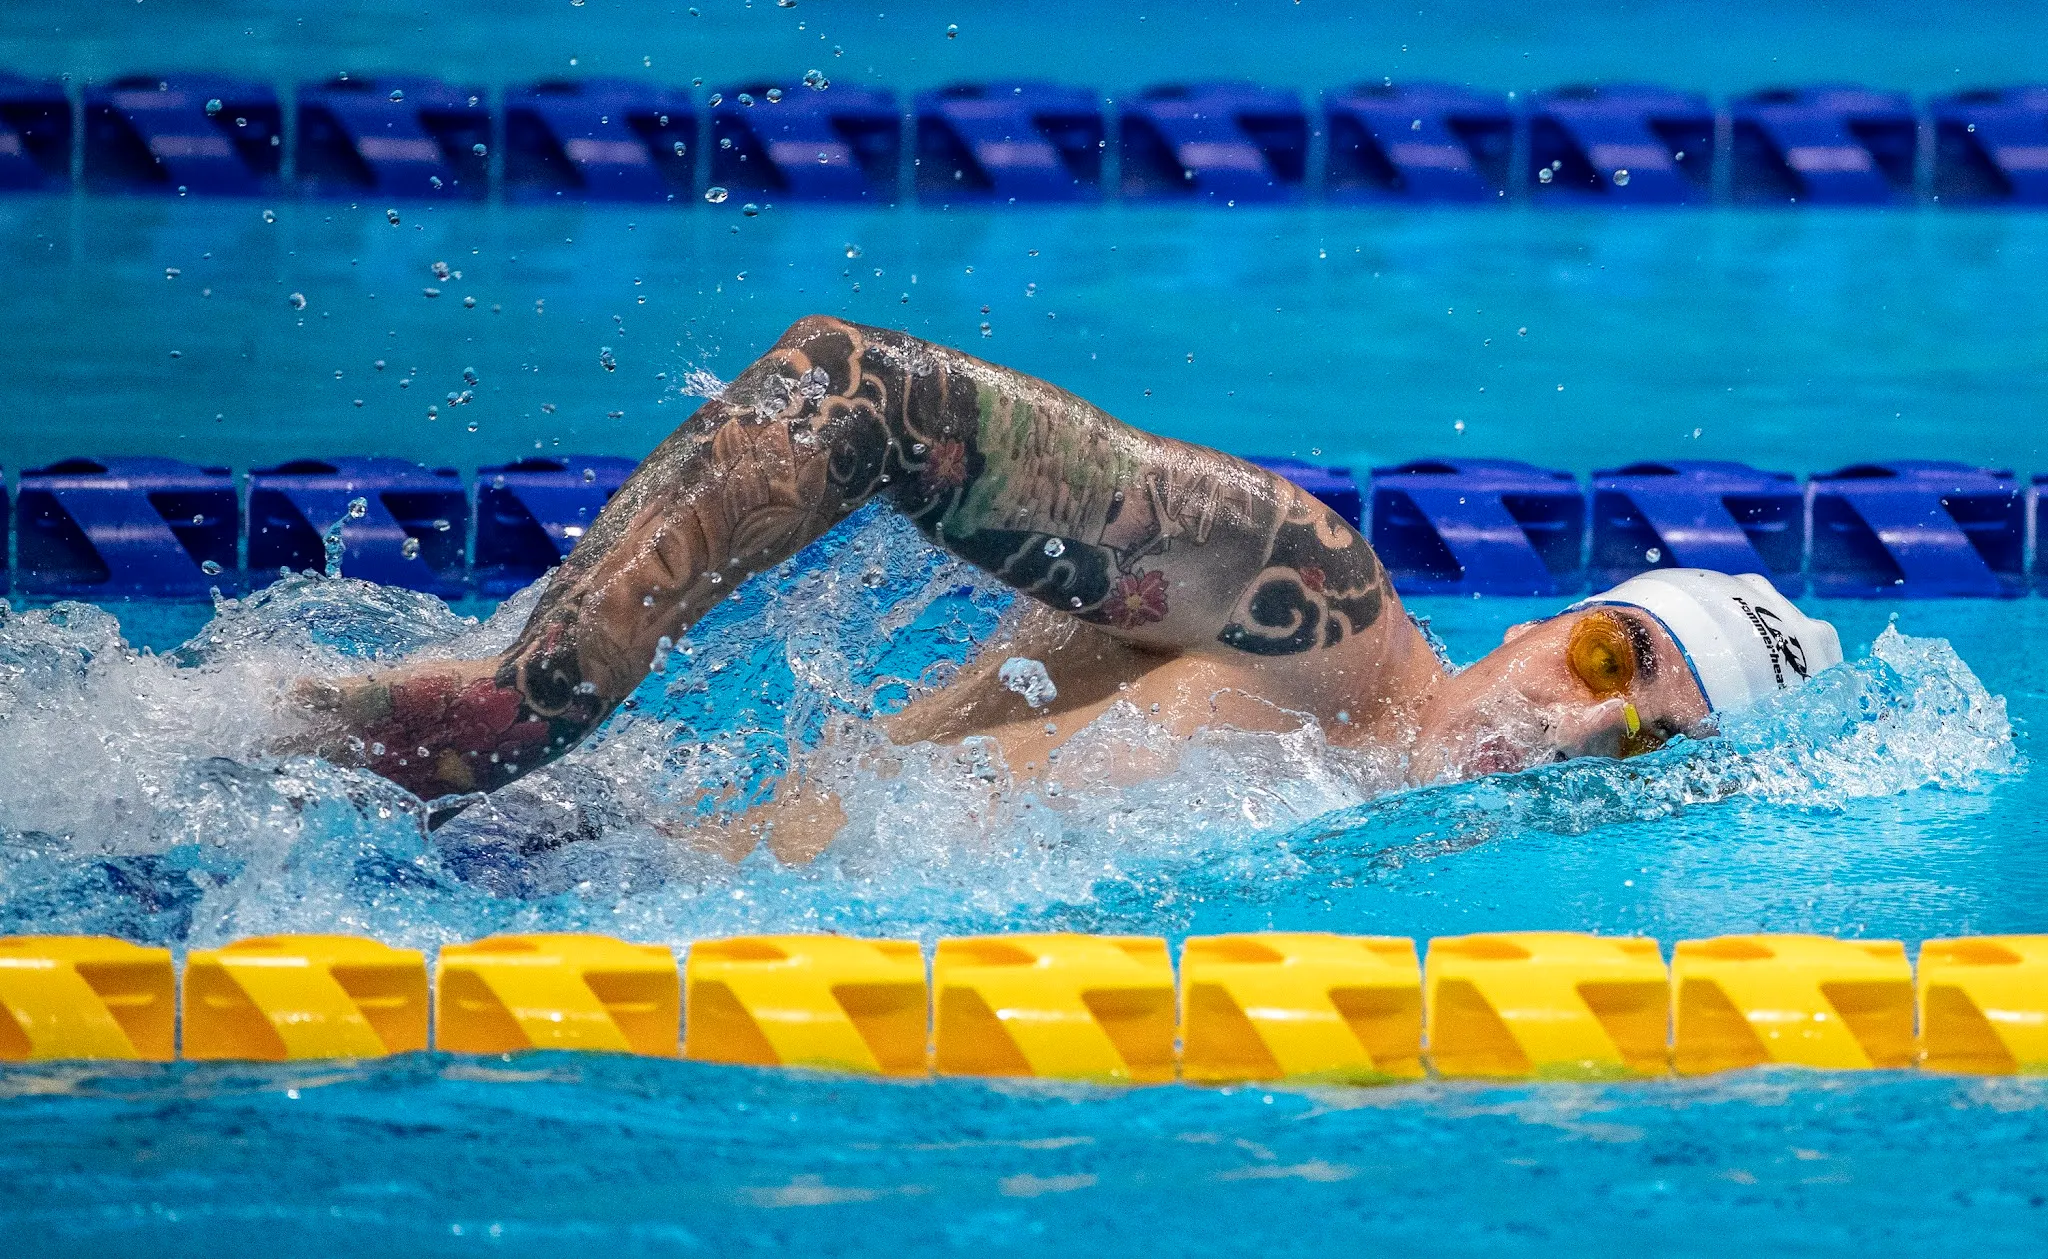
(1170, 546)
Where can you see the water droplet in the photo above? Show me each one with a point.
(393, 216)
(410, 548)
(816, 80)
(716, 195)
(397, 95)
(472, 426)
(873, 578)
(1653, 554)
(469, 303)
(605, 359)
(1027, 677)
(1521, 332)
(430, 291)
(1543, 176)
(952, 32)
(1621, 179)
(1055, 547)
(774, 95)
(716, 100)
(725, 142)
(746, 99)
(440, 525)
(210, 567)
(646, 601)
(172, 273)
(480, 149)
(715, 579)
(213, 107)
(986, 330)
(296, 301)
(750, 209)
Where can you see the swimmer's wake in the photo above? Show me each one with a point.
(138, 799)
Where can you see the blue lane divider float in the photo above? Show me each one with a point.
(149, 527)
(1697, 514)
(844, 144)
(1917, 529)
(1335, 488)
(1021, 142)
(413, 531)
(1220, 142)
(598, 140)
(1992, 146)
(127, 528)
(399, 137)
(199, 134)
(1823, 145)
(1621, 143)
(1418, 142)
(35, 134)
(1469, 526)
(532, 513)
(1009, 141)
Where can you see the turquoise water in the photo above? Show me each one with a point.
(1802, 340)
(138, 795)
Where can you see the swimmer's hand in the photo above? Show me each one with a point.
(437, 729)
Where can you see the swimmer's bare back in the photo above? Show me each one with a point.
(1185, 572)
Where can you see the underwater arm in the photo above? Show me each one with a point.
(1167, 545)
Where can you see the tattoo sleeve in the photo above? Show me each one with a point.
(1168, 545)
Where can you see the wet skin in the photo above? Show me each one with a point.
(1164, 573)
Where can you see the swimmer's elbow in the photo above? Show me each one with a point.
(809, 328)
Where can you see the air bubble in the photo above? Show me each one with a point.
(270, 216)
(1055, 548)
(213, 107)
(952, 32)
(210, 567)
(605, 359)
(480, 149)
(393, 216)
(1653, 554)
(297, 301)
(716, 195)
(774, 95)
(410, 548)
(750, 209)
(1543, 176)
(397, 95)
(1621, 179)
(816, 80)
(746, 99)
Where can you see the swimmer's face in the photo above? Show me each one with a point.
(1599, 682)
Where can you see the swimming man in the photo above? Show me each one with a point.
(1200, 588)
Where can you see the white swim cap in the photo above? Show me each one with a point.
(1743, 639)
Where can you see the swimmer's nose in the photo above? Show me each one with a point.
(1593, 729)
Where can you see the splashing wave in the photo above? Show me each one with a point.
(140, 797)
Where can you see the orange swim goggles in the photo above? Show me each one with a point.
(1602, 654)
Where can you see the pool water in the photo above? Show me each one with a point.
(139, 794)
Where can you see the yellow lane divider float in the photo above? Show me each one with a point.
(1302, 1007)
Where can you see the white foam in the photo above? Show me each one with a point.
(110, 752)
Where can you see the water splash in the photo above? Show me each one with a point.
(148, 794)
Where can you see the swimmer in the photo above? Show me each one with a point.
(1197, 587)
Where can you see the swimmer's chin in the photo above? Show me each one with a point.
(1434, 764)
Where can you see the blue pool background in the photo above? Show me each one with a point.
(1801, 339)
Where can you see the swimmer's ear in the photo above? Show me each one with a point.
(1516, 631)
